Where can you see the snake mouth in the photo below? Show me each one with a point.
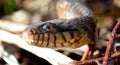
(61, 39)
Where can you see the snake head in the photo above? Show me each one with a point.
(59, 33)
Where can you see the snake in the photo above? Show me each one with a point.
(74, 27)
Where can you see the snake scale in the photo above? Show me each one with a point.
(74, 28)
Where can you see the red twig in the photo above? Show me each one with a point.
(111, 44)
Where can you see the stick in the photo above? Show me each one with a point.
(111, 44)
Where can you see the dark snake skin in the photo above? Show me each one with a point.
(74, 28)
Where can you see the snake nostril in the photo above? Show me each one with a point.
(25, 35)
(27, 32)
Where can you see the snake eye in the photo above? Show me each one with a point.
(46, 27)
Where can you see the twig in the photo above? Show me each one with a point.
(111, 44)
(50, 55)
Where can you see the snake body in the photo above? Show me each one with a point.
(74, 28)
